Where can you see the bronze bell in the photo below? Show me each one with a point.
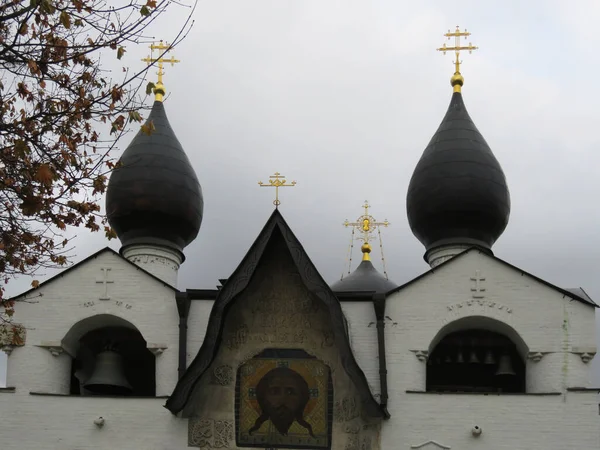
(489, 358)
(505, 367)
(108, 377)
(473, 359)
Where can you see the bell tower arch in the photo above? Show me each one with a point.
(109, 357)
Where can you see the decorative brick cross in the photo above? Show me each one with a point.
(105, 281)
(478, 290)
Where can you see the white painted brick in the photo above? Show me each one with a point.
(545, 320)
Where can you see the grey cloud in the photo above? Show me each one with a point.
(344, 96)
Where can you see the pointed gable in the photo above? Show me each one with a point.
(85, 261)
(275, 250)
(577, 294)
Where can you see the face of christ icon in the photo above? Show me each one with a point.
(282, 395)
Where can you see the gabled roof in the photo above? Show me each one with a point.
(577, 294)
(238, 281)
(89, 258)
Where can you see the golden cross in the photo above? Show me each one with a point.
(457, 49)
(277, 180)
(366, 225)
(159, 90)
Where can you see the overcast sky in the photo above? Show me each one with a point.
(343, 97)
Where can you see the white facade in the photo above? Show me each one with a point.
(554, 334)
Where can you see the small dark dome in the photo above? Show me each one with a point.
(365, 278)
(154, 197)
(458, 192)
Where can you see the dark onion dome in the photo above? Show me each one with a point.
(154, 196)
(365, 278)
(457, 193)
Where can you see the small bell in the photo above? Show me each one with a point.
(505, 367)
(459, 358)
(473, 359)
(108, 377)
(489, 358)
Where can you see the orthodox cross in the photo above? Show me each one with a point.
(105, 281)
(478, 290)
(457, 47)
(366, 224)
(159, 90)
(277, 180)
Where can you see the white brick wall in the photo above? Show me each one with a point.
(197, 323)
(546, 322)
(67, 423)
(54, 308)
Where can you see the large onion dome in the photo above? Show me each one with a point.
(457, 195)
(154, 196)
(365, 278)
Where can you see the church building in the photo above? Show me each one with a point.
(474, 354)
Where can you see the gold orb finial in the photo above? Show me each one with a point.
(457, 79)
(366, 249)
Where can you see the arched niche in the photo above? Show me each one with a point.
(477, 354)
(88, 338)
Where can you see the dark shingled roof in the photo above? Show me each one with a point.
(275, 228)
(458, 192)
(365, 278)
(155, 196)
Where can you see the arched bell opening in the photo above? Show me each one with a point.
(109, 357)
(475, 360)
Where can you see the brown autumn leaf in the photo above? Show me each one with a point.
(44, 174)
(54, 163)
(148, 128)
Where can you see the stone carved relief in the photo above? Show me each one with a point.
(210, 433)
(586, 357)
(479, 302)
(355, 442)
(360, 435)
(352, 443)
(421, 355)
(352, 428)
(278, 315)
(346, 409)
(55, 348)
(222, 375)
(147, 259)
(237, 338)
(365, 444)
(536, 356)
(223, 433)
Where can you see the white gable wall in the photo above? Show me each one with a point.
(197, 323)
(363, 340)
(61, 303)
(547, 323)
